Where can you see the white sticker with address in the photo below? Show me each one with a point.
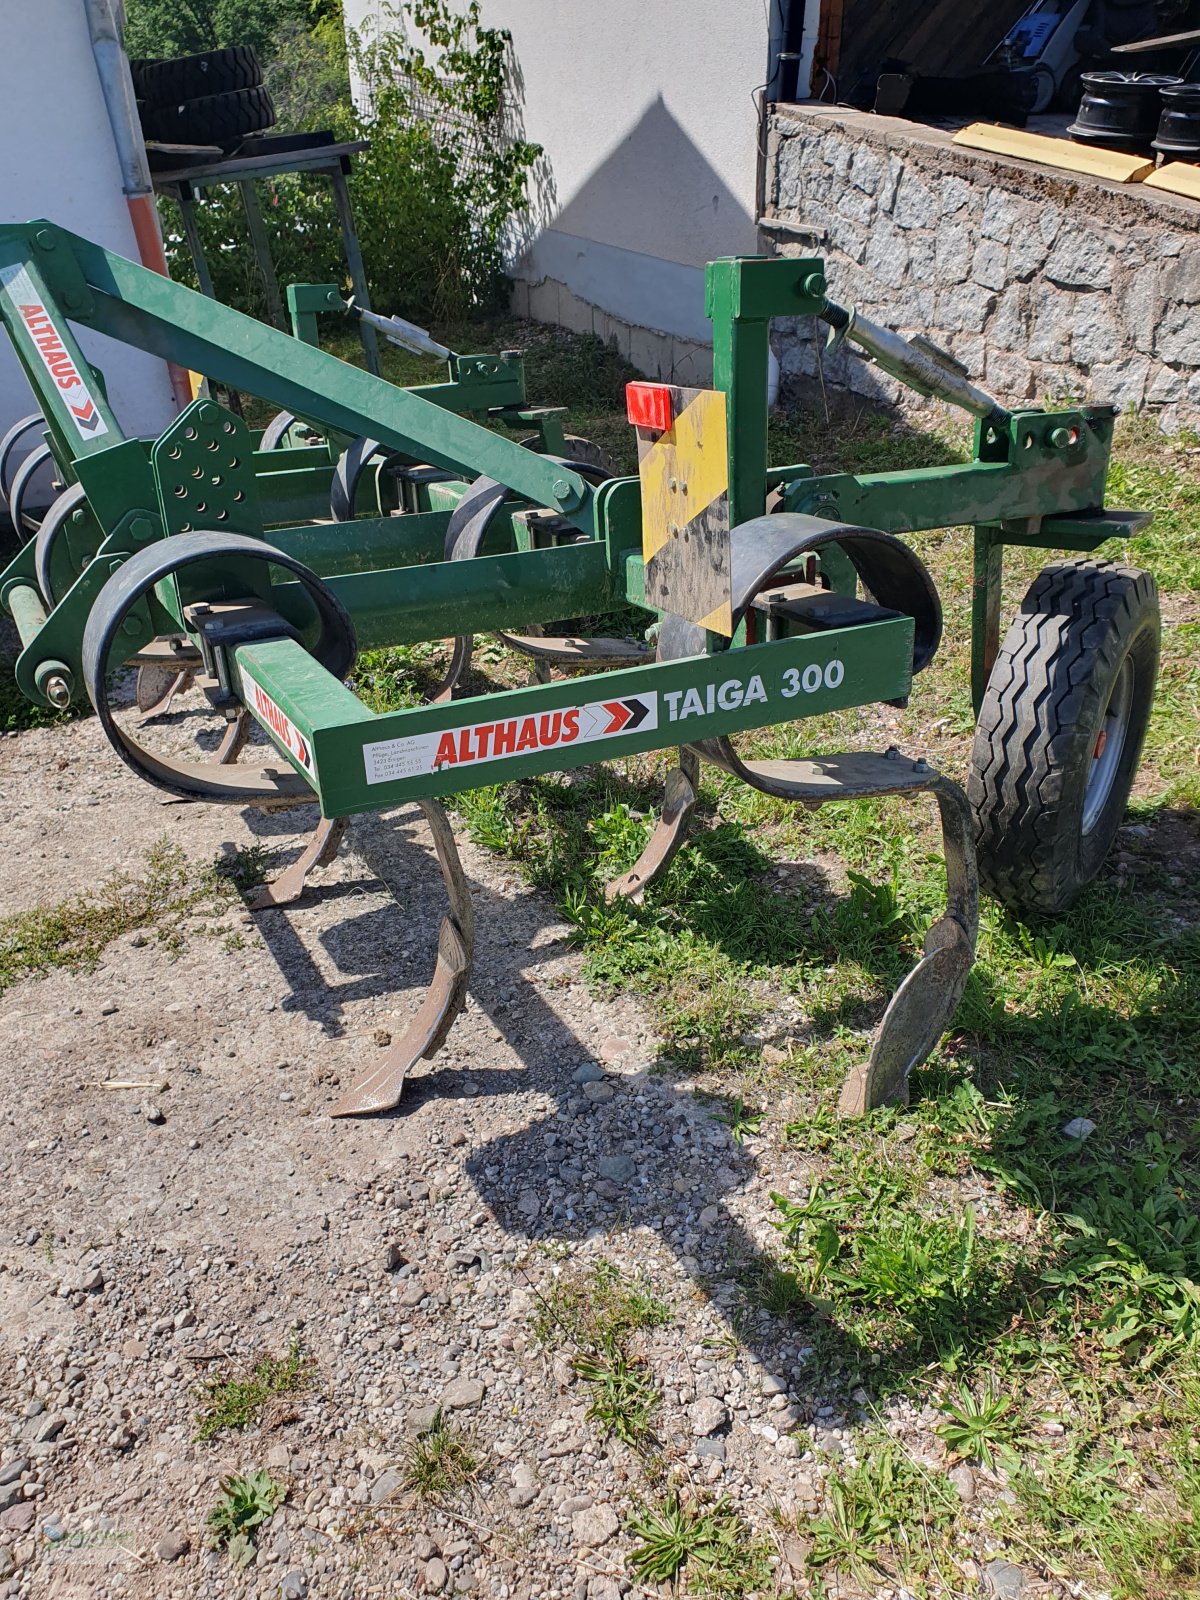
(389, 760)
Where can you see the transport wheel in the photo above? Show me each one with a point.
(1061, 730)
(161, 83)
(224, 119)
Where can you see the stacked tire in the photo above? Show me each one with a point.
(216, 98)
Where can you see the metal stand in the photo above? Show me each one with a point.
(330, 161)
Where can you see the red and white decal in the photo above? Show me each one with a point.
(278, 722)
(478, 742)
(39, 324)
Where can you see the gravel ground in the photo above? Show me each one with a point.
(152, 1236)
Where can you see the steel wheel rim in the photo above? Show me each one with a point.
(1108, 747)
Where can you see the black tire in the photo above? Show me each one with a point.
(223, 119)
(1048, 791)
(168, 83)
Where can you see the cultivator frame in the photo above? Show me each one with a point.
(199, 555)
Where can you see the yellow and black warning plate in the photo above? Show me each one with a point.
(685, 511)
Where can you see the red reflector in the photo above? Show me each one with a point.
(648, 405)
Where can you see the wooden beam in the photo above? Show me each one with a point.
(1177, 177)
(1111, 164)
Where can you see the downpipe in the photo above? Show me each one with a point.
(105, 23)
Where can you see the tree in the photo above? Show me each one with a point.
(186, 27)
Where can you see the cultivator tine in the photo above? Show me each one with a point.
(289, 885)
(233, 741)
(670, 831)
(152, 699)
(379, 1088)
(921, 1009)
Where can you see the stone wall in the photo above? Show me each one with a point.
(1046, 285)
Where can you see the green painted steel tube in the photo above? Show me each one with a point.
(367, 545)
(28, 611)
(366, 762)
(154, 314)
(406, 605)
(946, 497)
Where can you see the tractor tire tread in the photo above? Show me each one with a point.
(221, 119)
(1077, 617)
(170, 82)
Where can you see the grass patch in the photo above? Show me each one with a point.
(879, 1515)
(976, 1253)
(245, 1503)
(599, 1313)
(240, 1401)
(74, 932)
(701, 1548)
(440, 1460)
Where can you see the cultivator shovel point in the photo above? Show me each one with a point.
(207, 560)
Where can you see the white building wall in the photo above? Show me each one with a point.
(58, 160)
(645, 111)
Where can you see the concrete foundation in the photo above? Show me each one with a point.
(654, 354)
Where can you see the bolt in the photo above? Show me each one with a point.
(73, 299)
(57, 692)
(892, 753)
(566, 496)
(672, 484)
(920, 764)
(141, 528)
(46, 238)
(815, 285)
(683, 488)
(130, 626)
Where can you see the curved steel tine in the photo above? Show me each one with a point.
(180, 681)
(670, 831)
(379, 1088)
(289, 885)
(920, 1010)
(460, 658)
(233, 741)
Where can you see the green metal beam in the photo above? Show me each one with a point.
(130, 303)
(366, 762)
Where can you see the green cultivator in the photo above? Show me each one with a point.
(254, 568)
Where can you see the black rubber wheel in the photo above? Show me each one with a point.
(1061, 731)
(223, 119)
(168, 83)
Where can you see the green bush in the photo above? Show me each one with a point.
(442, 178)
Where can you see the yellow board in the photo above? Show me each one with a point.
(1111, 164)
(685, 511)
(1177, 177)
